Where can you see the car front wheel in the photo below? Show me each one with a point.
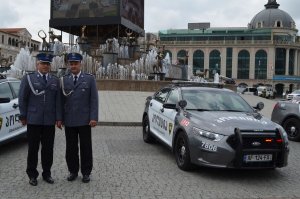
(292, 128)
(182, 152)
(147, 137)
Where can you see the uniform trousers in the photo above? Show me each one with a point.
(37, 134)
(86, 153)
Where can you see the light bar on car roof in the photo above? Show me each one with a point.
(199, 84)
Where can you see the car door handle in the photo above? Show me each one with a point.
(162, 110)
(15, 106)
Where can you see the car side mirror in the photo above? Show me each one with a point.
(259, 106)
(149, 98)
(182, 103)
(4, 100)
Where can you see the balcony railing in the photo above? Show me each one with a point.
(229, 42)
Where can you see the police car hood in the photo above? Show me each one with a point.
(226, 122)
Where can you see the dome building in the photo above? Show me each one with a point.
(264, 52)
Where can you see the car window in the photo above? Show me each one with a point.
(252, 89)
(161, 95)
(5, 91)
(296, 92)
(16, 87)
(173, 97)
(215, 101)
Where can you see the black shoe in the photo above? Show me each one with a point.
(85, 178)
(33, 181)
(48, 179)
(72, 176)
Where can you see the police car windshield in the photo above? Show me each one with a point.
(215, 100)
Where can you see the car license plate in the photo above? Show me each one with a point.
(258, 158)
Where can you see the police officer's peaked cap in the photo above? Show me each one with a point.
(44, 57)
(74, 57)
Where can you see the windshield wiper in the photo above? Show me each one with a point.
(197, 109)
(230, 110)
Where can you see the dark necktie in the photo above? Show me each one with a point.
(45, 79)
(75, 79)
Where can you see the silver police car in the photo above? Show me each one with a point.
(287, 114)
(10, 127)
(208, 125)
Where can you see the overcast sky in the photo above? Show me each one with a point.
(159, 14)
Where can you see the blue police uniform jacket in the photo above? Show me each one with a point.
(80, 101)
(40, 103)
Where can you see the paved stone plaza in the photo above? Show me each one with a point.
(126, 167)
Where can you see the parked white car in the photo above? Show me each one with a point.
(250, 91)
(293, 94)
(10, 127)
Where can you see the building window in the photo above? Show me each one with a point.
(261, 59)
(170, 55)
(278, 24)
(214, 63)
(260, 24)
(229, 62)
(243, 64)
(291, 62)
(280, 61)
(182, 57)
(198, 61)
(3, 39)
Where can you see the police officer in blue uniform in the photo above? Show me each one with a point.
(80, 113)
(40, 108)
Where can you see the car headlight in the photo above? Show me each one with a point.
(208, 135)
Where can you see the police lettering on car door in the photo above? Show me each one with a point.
(160, 122)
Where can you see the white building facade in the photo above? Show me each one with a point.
(265, 52)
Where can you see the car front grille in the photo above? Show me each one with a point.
(246, 142)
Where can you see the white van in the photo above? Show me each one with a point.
(265, 91)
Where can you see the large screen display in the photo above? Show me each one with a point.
(133, 10)
(62, 9)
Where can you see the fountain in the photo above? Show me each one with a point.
(110, 61)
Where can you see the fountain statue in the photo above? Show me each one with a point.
(45, 44)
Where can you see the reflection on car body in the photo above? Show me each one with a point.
(205, 124)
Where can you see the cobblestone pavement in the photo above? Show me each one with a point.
(126, 167)
(121, 107)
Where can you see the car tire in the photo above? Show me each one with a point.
(182, 152)
(147, 137)
(292, 128)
